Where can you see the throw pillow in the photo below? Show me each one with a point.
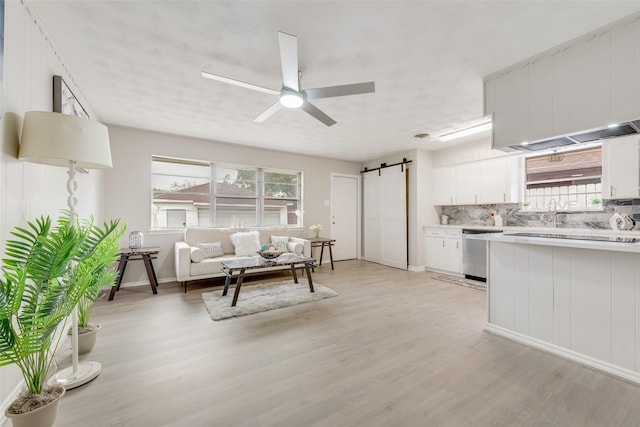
(280, 242)
(296, 248)
(211, 250)
(197, 254)
(246, 243)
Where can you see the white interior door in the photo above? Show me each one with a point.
(393, 217)
(371, 184)
(345, 202)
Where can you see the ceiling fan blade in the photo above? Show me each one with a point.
(331, 91)
(239, 83)
(315, 112)
(289, 60)
(268, 112)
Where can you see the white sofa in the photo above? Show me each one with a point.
(188, 270)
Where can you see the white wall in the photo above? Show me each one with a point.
(29, 190)
(467, 152)
(128, 184)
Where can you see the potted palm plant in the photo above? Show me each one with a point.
(87, 332)
(45, 272)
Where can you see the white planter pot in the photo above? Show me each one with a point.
(87, 340)
(44, 416)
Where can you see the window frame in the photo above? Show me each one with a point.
(597, 192)
(215, 196)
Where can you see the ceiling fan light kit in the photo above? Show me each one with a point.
(291, 96)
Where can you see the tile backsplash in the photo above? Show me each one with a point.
(513, 215)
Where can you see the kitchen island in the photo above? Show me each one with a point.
(572, 296)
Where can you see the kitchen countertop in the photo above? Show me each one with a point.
(512, 237)
(515, 229)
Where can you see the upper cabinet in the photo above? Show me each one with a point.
(444, 184)
(584, 85)
(621, 168)
(540, 99)
(625, 59)
(490, 181)
(590, 92)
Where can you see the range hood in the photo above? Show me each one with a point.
(622, 129)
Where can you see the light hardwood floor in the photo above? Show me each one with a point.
(395, 348)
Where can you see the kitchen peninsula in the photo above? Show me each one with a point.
(574, 296)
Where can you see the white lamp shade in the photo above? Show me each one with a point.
(55, 139)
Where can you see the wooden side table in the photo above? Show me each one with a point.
(144, 254)
(321, 242)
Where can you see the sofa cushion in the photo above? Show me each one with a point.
(193, 236)
(209, 266)
(280, 242)
(211, 250)
(246, 243)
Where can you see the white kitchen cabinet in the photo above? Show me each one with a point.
(453, 246)
(443, 249)
(504, 118)
(591, 83)
(497, 180)
(561, 95)
(583, 86)
(492, 181)
(621, 168)
(623, 81)
(521, 111)
(444, 183)
(467, 186)
(540, 99)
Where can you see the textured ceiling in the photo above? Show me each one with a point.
(138, 64)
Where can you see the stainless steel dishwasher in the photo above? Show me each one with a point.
(474, 255)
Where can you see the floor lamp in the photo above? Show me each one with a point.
(64, 140)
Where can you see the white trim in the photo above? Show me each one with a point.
(417, 268)
(573, 356)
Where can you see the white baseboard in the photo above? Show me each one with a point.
(573, 356)
(417, 268)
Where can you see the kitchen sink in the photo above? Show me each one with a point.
(579, 237)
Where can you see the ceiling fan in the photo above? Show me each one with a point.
(291, 96)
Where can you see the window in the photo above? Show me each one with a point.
(191, 193)
(570, 179)
(281, 197)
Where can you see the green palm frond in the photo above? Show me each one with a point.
(45, 272)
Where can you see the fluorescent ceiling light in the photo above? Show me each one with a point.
(291, 98)
(466, 132)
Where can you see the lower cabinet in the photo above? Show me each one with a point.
(443, 249)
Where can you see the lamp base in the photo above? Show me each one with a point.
(85, 372)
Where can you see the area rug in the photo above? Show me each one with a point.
(263, 297)
(475, 284)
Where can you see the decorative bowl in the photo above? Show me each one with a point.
(270, 254)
